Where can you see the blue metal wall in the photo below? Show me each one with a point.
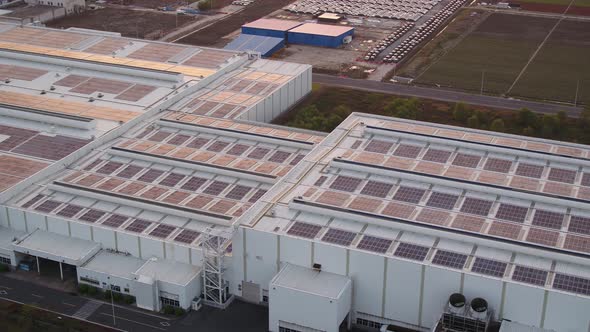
(317, 40)
(264, 32)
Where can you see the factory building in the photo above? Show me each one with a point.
(150, 169)
(322, 35)
(264, 45)
(269, 27)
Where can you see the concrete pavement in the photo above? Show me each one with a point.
(445, 95)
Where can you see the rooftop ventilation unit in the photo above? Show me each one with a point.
(52, 88)
(317, 267)
(457, 317)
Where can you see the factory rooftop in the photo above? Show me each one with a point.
(321, 29)
(495, 204)
(272, 24)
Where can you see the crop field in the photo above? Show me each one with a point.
(500, 47)
(578, 7)
(560, 66)
(130, 23)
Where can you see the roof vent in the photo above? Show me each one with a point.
(457, 303)
(52, 88)
(478, 308)
(100, 95)
(91, 99)
(317, 267)
(43, 92)
(7, 80)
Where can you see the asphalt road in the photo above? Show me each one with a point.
(444, 95)
(69, 305)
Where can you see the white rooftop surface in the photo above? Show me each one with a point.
(273, 24)
(55, 244)
(320, 283)
(7, 235)
(116, 264)
(169, 271)
(321, 29)
(508, 326)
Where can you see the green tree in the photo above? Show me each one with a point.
(528, 131)
(461, 112)
(526, 118)
(498, 125)
(473, 121)
(342, 111)
(204, 5)
(403, 108)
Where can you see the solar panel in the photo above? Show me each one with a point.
(172, 179)
(586, 180)
(238, 149)
(47, 206)
(258, 153)
(257, 195)
(238, 192)
(32, 201)
(304, 230)
(93, 164)
(178, 139)
(411, 251)
(409, 194)
(466, 160)
(193, 184)
(548, 219)
(407, 151)
(109, 167)
(498, 165)
(579, 225)
(217, 146)
(70, 210)
(449, 259)
(541, 236)
(571, 284)
(356, 144)
(338, 236)
(150, 175)
(476, 206)
(92, 215)
(197, 143)
(162, 231)
(529, 170)
(320, 181)
(297, 159)
(129, 171)
(345, 183)
(442, 200)
(115, 220)
(374, 244)
(489, 267)
(506, 230)
(378, 146)
(512, 212)
(187, 236)
(437, 156)
(159, 136)
(279, 157)
(562, 175)
(529, 275)
(138, 225)
(215, 188)
(376, 189)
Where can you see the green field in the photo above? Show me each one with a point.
(548, 2)
(500, 48)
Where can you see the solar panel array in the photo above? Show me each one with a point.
(449, 259)
(411, 251)
(304, 230)
(338, 236)
(138, 226)
(374, 244)
(187, 236)
(529, 275)
(489, 267)
(571, 284)
(345, 183)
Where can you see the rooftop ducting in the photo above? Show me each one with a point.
(457, 303)
(478, 308)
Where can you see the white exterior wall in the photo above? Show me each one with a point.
(306, 309)
(567, 312)
(403, 291)
(185, 293)
(69, 5)
(102, 278)
(523, 304)
(367, 273)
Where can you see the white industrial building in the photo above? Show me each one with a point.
(70, 6)
(149, 169)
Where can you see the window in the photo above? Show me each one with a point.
(286, 329)
(265, 298)
(90, 281)
(116, 288)
(5, 260)
(126, 290)
(170, 302)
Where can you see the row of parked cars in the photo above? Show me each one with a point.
(385, 43)
(423, 32)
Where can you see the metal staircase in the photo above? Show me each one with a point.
(215, 287)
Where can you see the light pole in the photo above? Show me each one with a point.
(483, 73)
(112, 300)
(576, 97)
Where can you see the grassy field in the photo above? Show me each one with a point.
(22, 318)
(561, 63)
(501, 46)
